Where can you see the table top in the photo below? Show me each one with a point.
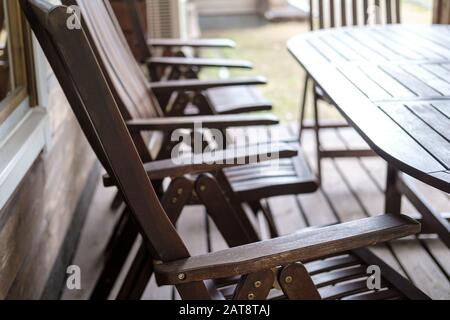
(392, 84)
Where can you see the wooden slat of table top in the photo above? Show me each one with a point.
(427, 40)
(395, 88)
(429, 49)
(374, 45)
(419, 130)
(390, 43)
(428, 78)
(340, 82)
(439, 38)
(361, 80)
(429, 114)
(342, 48)
(438, 70)
(406, 51)
(417, 86)
(360, 47)
(326, 51)
(443, 107)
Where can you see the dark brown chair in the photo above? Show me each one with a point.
(441, 11)
(236, 99)
(249, 184)
(288, 263)
(169, 46)
(141, 110)
(332, 14)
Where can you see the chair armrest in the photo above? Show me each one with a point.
(199, 62)
(209, 162)
(169, 124)
(194, 43)
(302, 246)
(199, 85)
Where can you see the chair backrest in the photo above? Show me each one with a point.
(72, 59)
(126, 78)
(339, 13)
(441, 11)
(119, 63)
(139, 37)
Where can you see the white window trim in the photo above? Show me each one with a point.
(26, 139)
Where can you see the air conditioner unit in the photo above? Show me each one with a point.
(167, 18)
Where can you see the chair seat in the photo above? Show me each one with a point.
(340, 277)
(272, 178)
(238, 99)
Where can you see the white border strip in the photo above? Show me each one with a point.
(20, 149)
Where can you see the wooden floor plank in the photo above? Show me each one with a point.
(90, 254)
(440, 252)
(352, 189)
(287, 214)
(369, 199)
(411, 254)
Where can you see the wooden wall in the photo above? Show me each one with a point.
(36, 219)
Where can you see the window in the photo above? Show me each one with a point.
(16, 63)
(23, 124)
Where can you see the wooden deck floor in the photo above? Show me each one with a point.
(351, 189)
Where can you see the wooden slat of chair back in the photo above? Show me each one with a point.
(441, 11)
(126, 79)
(139, 36)
(339, 13)
(75, 65)
(121, 64)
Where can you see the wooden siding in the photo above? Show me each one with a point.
(35, 220)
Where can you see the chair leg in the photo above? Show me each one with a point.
(137, 276)
(174, 199)
(303, 108)
(117, 201)
(263, 206)
(317, 137)
(393, 199)
(230, 219)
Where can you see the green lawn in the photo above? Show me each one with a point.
(265, 46)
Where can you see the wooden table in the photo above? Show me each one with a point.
(392, 84)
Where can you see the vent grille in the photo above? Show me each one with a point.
(163, 18)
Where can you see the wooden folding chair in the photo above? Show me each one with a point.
(250, 184)
(140, 109)
(332, 14)
(131, 16)
(441, 11)
(236, 99)
(283, 267)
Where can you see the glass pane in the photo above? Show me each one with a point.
(5, 77)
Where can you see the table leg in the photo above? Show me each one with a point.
(393, 200)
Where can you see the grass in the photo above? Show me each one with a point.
(265, 46)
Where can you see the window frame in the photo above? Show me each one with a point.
(24, 121)
(20, 56)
